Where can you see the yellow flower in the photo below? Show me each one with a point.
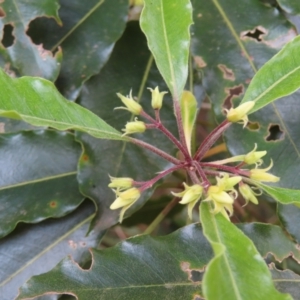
(222, 201)
(262, 175)
(134, 127)
(130, 104)
(121, 183)
(227, 183)
(125, 200)
(157, 98)
(248, 194)
(240, 113)
(191, 195)
(254, 157)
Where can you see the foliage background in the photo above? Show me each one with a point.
(93, 50)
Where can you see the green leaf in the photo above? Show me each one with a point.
(282, 195)
(237, 271)
(286, 281)
(26, 57)
(44, 185)
(121, 159)
(166, 25)
(33, 249)
(285, 70)
(270, 239)
(87, 36)
(142, 267)
(188, 104)
(36, 101)
(290, 6)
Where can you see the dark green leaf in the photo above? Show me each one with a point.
(166, 25)
(104, 158)
(26, 57)
(37, 102)
(285, 70)
(270, 239)
(237, 271)
(142, 267)
(87, 37)
(41, 186)
(290, 6)
(286, 281)
(33, 249)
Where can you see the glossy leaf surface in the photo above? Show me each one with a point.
(38, 102)
(290, 6)
(103, 158)
(33, 249)
(49, 189)
(270, 239)
(277, 78)
(87, 36)
(167, 267)
(23, 55)
(166, 25)
(237, 268)
(286, 281)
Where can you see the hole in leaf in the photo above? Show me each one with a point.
(253, 126)
(233, 92)
(275, 133)
(196, 276)
(256, 34)
(8, 38)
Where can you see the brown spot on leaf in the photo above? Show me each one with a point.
(253, 126)
(53, 204)
(72, 244)
(45, 54)
(2, 12)
(2, 127)
(233, 92)
(200, 63)
(85, 157)
(227, 73)
(281, 40)
(199, 15)
(275, 133)
(197, 297)
(194, 275)
(255, 34)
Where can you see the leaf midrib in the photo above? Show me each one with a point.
(235, 288)
(70, 125)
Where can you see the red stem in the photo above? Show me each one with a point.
(211, 139)
(155, 150)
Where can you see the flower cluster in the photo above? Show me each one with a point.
(215, 182)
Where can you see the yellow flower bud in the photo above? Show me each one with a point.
(222, 201)
(248, 194)
(254, 157)
(227, 183)
(262, 175)
(121, 183)
(134, 127)
(217, 194)
(157, 98)
(130, 104)
(125, 200)
(240, 113)
(191, 195)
